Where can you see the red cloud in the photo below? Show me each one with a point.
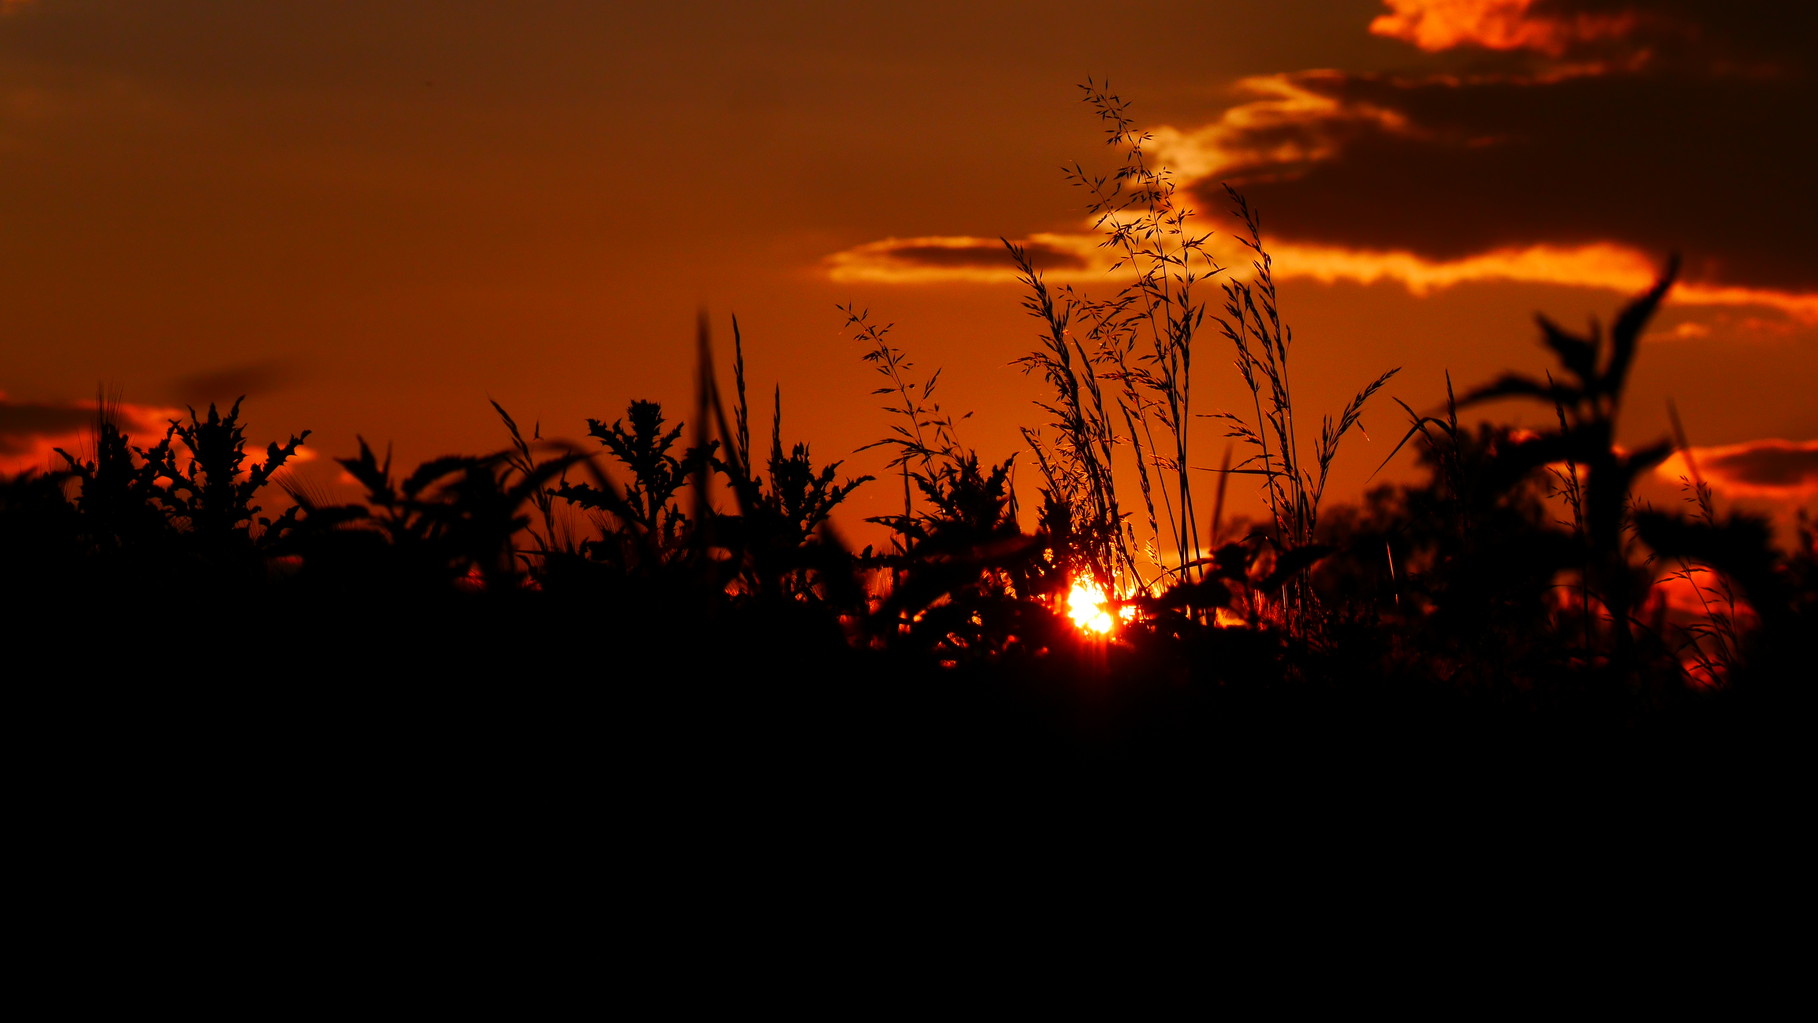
(1435, 25)
(1772, 468)
(31, 431)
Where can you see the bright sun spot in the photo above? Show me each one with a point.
(1086, 606)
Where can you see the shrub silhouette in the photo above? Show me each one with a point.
(646, 527)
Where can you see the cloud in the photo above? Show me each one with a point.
(1291, 122)
(21, 424)
(221, 386)
(1447, 168)
(1772, 468)
(1670, 134)
(1660, 127)
(1077, 258)
(1687, 330)
(1712, 35)
(1435, 25)
(963, 258)
(31, 431)
(1599, 265)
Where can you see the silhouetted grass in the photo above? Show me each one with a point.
(701, 610)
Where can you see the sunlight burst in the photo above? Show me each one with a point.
(1086, 606)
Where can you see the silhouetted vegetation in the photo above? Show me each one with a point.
(715, 608)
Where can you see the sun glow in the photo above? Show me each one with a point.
(1086, 605)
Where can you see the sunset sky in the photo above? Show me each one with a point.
(373, 217)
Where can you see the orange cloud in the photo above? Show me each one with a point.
(1072, 258)
(1544, 171)
(949, 258)
(1435, 25)
(1077, 258)
(1600, 265)
(1779, 469)
(1689, 330)
(1295, 120)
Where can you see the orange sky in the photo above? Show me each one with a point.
(373, 217)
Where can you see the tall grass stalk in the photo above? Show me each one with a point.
(1713, 645)
(1078, 465)
(1145, 332)
(928, 451)
(1253, 324)
(1140, 338)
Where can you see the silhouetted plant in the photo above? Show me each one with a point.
(1738, 552)
(1253, 324)
(41, 533)
(1469, 559)
(1141, 338)
(1079, 465)
(118, 497)
(212, 495)
(1587, 403)
(556, 536)
(1713, 644)
(770, 547)
(453, 518)
(1143, 334)
(927, 450)
(644, 523)
(703, 556)
(968, 580)
(777, 543)
(800, 497)
(1465, 549)
(782, 517)
(156, 504)
(960, 564)
(1242, 575)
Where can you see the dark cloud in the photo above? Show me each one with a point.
(27, 426)
(1701, 148)
(1702, 33)
(991, 255)
(1767, 465)
(1714, 36)
(222, 386)
(22, 422)
(1503, 25)
(956, 257)
(1716, 169)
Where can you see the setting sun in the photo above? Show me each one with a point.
(1086, 606)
